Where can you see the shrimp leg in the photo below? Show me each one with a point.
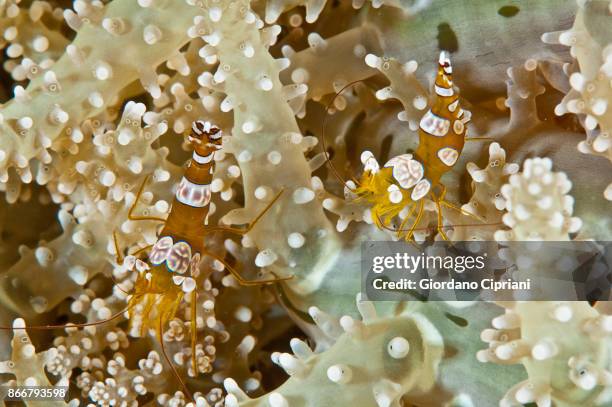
(131, 215)
(241, 279)
(249, 227)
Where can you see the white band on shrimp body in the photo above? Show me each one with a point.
(444, 91)
(217, 135)
(200, 159)
(194, 195)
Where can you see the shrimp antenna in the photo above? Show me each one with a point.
(116, 283)
(48, 327)
(391, 229)
(323, 144)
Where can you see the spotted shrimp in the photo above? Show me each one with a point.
(169, 273)
(404, 181)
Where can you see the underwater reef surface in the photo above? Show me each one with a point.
(235, 141)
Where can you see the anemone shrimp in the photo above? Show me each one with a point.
(402, 185)
(169, 273)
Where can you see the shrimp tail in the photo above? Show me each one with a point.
(151, 302)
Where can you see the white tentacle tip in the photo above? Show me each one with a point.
(339, 374)
(277, 400)
(19, 323)
(372, 61)
(398, 347)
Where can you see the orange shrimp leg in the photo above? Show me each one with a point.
(142, 249)
(401, 227)
(240, 279)
(479, 139)
(119, 260)
(246, 230)
(458, 209)
(131, 215)
(416, 221)
(440, 225)
(462, 211)
(118, 255)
